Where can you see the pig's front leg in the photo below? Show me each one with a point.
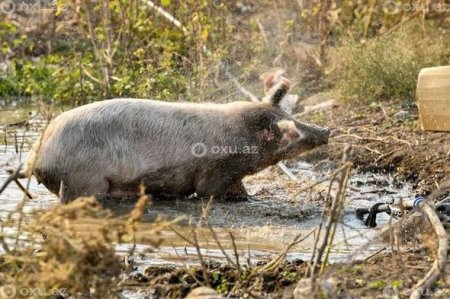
(237, 191)
(214, 184)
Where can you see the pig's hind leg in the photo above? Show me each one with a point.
(220, 184)
(84, 185)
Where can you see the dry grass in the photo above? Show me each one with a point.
(52, 254)
(387, 67)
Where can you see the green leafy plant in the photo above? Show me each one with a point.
(124, 48)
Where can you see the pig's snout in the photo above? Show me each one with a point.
(313, 136)
(319, 136)
(324, 134)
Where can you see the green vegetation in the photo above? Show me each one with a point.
(121, 48)
(365, 51)
(378, 284)
(398, 284)
(387, 67)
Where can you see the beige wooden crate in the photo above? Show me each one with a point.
(433, 93)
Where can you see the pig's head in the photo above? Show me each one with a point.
(279, 134)
(298, 137)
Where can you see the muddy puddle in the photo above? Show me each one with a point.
(262, 227)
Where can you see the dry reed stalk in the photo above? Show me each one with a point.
(333, 215)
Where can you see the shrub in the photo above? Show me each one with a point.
(123, 48)
(55, 251)
(387, 67)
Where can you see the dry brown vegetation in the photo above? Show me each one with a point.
(48, 254)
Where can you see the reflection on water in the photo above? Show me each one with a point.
(15, 112)
(262, 226)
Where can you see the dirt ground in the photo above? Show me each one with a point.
(176, 282)
(385, 141)
(387, 138)
(385, 275)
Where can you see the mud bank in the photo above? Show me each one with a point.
(387, 138)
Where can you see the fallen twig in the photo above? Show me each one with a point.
(334, 213)
(385, 155)
(374, 139)
(441, 257)
(276, 261)
(13, 178)
(441, 188)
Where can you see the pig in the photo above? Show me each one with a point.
(174, 149)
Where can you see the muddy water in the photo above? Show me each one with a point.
(262, 226)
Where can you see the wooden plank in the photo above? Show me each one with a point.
(433, 93)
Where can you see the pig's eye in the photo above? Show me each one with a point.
(269, 134)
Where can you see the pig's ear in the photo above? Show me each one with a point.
(277, 92)
(268, 81)
(271, 78)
